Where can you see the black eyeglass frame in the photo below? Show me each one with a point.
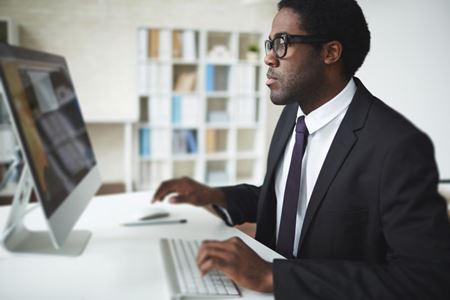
(292, 39)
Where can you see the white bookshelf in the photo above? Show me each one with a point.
(202, 107)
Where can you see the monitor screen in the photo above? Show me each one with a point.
(48, 120)
(60, 165)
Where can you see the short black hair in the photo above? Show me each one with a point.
(340, 20)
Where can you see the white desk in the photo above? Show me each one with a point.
(119, 262)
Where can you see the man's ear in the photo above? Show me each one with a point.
(332, 52)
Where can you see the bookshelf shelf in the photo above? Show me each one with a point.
(201, 113)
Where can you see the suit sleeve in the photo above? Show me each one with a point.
(242, 203)
(414, 223)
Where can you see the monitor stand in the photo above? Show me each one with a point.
(19, 239)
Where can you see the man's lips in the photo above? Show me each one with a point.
(270, 79)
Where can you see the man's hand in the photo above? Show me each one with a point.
(189, 191)
(240, 263)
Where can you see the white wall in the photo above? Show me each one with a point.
(408, 66)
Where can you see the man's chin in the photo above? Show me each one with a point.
(279, 99)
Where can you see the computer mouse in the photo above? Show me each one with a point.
(151, 213)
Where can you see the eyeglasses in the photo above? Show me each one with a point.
(280, 43)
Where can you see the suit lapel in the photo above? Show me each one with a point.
(266, 228)
(340, 148)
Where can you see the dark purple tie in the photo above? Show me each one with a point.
(286, 233)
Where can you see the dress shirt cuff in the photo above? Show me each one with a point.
(223, 213)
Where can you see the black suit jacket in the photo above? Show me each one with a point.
(375, 226)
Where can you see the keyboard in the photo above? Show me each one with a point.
(180, 257)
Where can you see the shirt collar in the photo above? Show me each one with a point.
(324, 114)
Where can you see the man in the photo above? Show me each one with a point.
(368, 222)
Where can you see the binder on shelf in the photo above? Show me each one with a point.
(158, 78)
(184, 141)
(189, 47)
(142, 44)
(143, 109)
(160, 146)
(221, 79)
(191, 139)
(165, 82)
(216, 140)
(189, 110)
(164, 44)
(153, 43)
(210, 78)
(177, 43)
(210, 141)
(159, 110)
(144, 142)
(176, 109)
(184, 109)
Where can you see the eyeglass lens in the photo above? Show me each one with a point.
(278, 45)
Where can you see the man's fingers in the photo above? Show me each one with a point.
(166, 188)
(212, 264)
(215, 255)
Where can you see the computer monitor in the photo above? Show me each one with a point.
(60, 165)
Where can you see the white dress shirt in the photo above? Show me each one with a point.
(322, 124)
